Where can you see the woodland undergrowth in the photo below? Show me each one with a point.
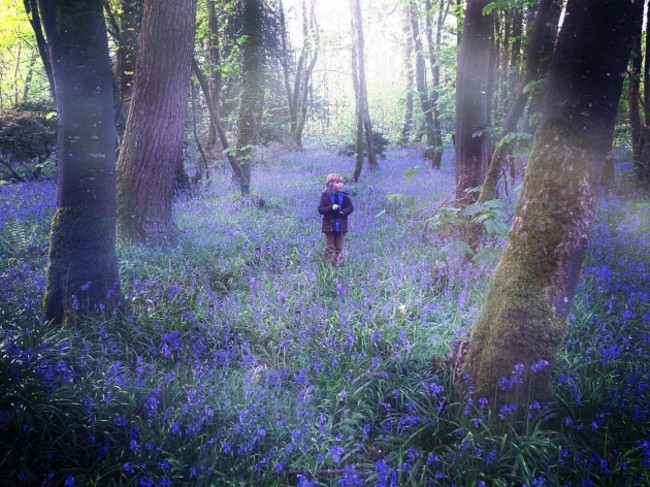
(239, 358)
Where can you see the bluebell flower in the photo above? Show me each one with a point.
(539, 365)
(431, 458)
(335, 452)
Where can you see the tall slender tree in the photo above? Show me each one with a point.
(152, 147)
(639, 108)
(407, 127)
(298, 90)
(421, 83)
(215, 120)
(634, 98)
(31, 8)
(361, 91)
(82, 264)
(642, 160)
(433, 44)
(522, 321)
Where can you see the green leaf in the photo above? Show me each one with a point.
(486, 254)
(496, 228)
(411, 172)
(521, 151)
(535, 84)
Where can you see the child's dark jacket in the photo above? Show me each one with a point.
(329, 215)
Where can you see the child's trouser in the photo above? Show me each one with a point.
(334, 247)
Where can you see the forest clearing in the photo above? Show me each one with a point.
(324, 243)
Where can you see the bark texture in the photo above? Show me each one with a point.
(82, 266)
(523, 317)
(153, 140)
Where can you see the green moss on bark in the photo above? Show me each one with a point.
(523, 317)
(81, 262)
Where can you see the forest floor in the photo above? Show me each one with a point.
(245, 360)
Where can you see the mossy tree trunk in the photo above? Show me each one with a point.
(82, 272)
(523, 317)
(152, 147)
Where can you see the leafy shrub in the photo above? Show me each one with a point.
(26, 138)
(380, 143)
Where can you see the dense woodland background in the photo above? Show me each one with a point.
(166, 315)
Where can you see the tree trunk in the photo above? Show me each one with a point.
(515, 51)
(532, 71)
(298, 91)
(358, 132)
(251, 100)
(215, 121)
(31, 8)
(633, 100)
(523, 318)
(497, 84)
(472, 107)
(152, 147)
(203, 166)
(642, 167)
(130, 18)
(436, 130)
(421, 85)
(213, 78)
(364, 112)
(82, 270)
(28, 79)
(535, 105)
(407, 127)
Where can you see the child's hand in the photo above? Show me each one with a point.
(335, 207)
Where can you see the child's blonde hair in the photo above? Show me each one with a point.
(331, 178)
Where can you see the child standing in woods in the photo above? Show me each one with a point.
(335, 206)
